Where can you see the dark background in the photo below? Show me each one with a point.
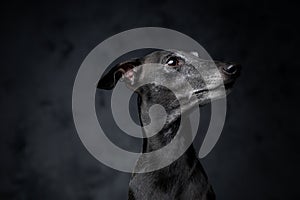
(44, 43)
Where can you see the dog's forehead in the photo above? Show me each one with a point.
(187, 56)
(156, 56)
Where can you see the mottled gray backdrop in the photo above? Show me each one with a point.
(44, 43)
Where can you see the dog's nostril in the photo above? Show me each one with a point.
(230, 69)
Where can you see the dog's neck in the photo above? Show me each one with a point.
(176, 124)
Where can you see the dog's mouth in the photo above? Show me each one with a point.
(227, 86)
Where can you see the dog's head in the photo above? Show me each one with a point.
(208, 80)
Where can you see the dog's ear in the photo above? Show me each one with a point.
(125, 69)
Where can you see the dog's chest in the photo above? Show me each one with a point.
(150, 186)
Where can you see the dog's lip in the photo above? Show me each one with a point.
(226, 86)
(200, 91)
(207, 90)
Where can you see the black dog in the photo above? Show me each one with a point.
(185, 178)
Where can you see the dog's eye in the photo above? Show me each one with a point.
(173, 61)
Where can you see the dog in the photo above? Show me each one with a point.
(184, 178)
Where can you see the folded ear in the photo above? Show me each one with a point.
(109, 80)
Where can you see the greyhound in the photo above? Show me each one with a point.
(185, 178)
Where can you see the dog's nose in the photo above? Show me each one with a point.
(231, 69)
